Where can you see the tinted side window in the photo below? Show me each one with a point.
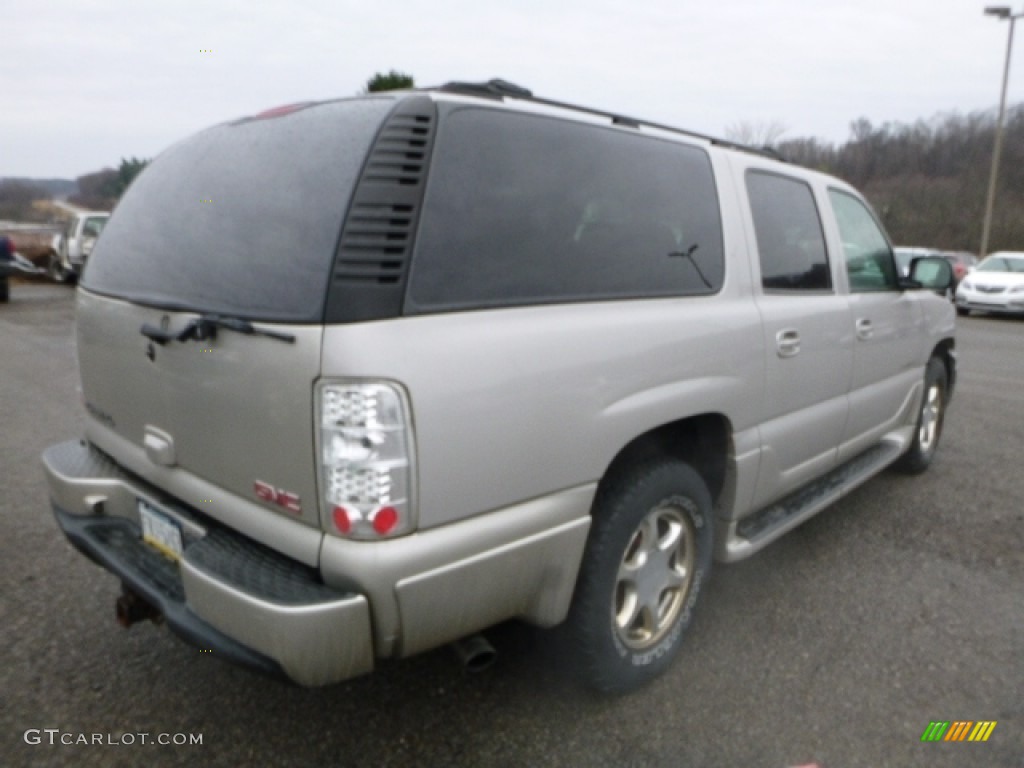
(869, 259)
(530, 209)
(790, 241)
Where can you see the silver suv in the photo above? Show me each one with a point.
(424, 361)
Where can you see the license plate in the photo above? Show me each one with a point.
(160, 532)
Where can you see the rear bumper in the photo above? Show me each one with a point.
(114, 544)
(227, 594)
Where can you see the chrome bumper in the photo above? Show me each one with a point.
(1009, 307)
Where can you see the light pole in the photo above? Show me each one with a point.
(1002, 12)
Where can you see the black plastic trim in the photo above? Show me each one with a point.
(371, 265)
(87, 536)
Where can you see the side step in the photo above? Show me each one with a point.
(747, 536)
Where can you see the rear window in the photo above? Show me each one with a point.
(241, 219)
(531, 209)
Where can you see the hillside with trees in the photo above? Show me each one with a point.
(928, 180)
(20, 198)
(101, 190)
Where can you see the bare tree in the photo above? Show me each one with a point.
(756, 134)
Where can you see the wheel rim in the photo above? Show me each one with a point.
(654, 577)
(931, 415)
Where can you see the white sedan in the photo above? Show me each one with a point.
(995, 285)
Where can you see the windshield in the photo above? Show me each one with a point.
(1002, 264)
(93, 226)
(242, 219)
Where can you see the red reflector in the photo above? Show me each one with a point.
(385, 519)
(341, 520)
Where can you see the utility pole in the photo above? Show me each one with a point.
(1001, 12)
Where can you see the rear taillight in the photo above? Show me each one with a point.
(366, 471)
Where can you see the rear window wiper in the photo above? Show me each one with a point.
(205, 327)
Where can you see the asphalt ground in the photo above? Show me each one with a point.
(838, 644)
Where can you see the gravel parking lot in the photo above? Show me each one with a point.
(837, 645)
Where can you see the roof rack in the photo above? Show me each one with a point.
(499, 90)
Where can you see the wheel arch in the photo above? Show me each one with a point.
(945, 351)
(703, 441)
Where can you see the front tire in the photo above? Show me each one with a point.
(648, 556)
(929, 420)
(55, 270)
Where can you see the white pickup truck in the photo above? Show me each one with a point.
(72, 246)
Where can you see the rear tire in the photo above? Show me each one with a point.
(5, 290)
(929, 420)
(648, 555)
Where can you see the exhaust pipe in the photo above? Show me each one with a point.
(475, 653)
(131, 608)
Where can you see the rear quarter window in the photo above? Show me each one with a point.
(531, 209)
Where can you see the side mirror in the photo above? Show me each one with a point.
(931, 273)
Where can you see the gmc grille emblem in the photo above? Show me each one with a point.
(282, 498)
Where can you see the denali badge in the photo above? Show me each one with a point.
(284, 499)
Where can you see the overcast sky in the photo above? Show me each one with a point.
(84, 83)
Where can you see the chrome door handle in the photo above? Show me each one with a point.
(787, 342)
(864, 329)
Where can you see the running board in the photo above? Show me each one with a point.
(747, 536)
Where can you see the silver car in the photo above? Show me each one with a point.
(995, 285)
(425, 361)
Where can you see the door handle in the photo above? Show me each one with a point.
(787, 342)
(864, 329)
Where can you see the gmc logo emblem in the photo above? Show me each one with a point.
(282, 498)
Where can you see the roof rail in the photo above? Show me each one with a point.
(493, 89)
(499, 90)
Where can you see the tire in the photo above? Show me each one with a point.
(55, 270)
(5, 290)
(963, 312)
(648, 555)
(930, 417)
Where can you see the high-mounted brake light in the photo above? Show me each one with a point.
(366, 459)
(285, 109)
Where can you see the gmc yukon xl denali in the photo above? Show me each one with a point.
(367, 376)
